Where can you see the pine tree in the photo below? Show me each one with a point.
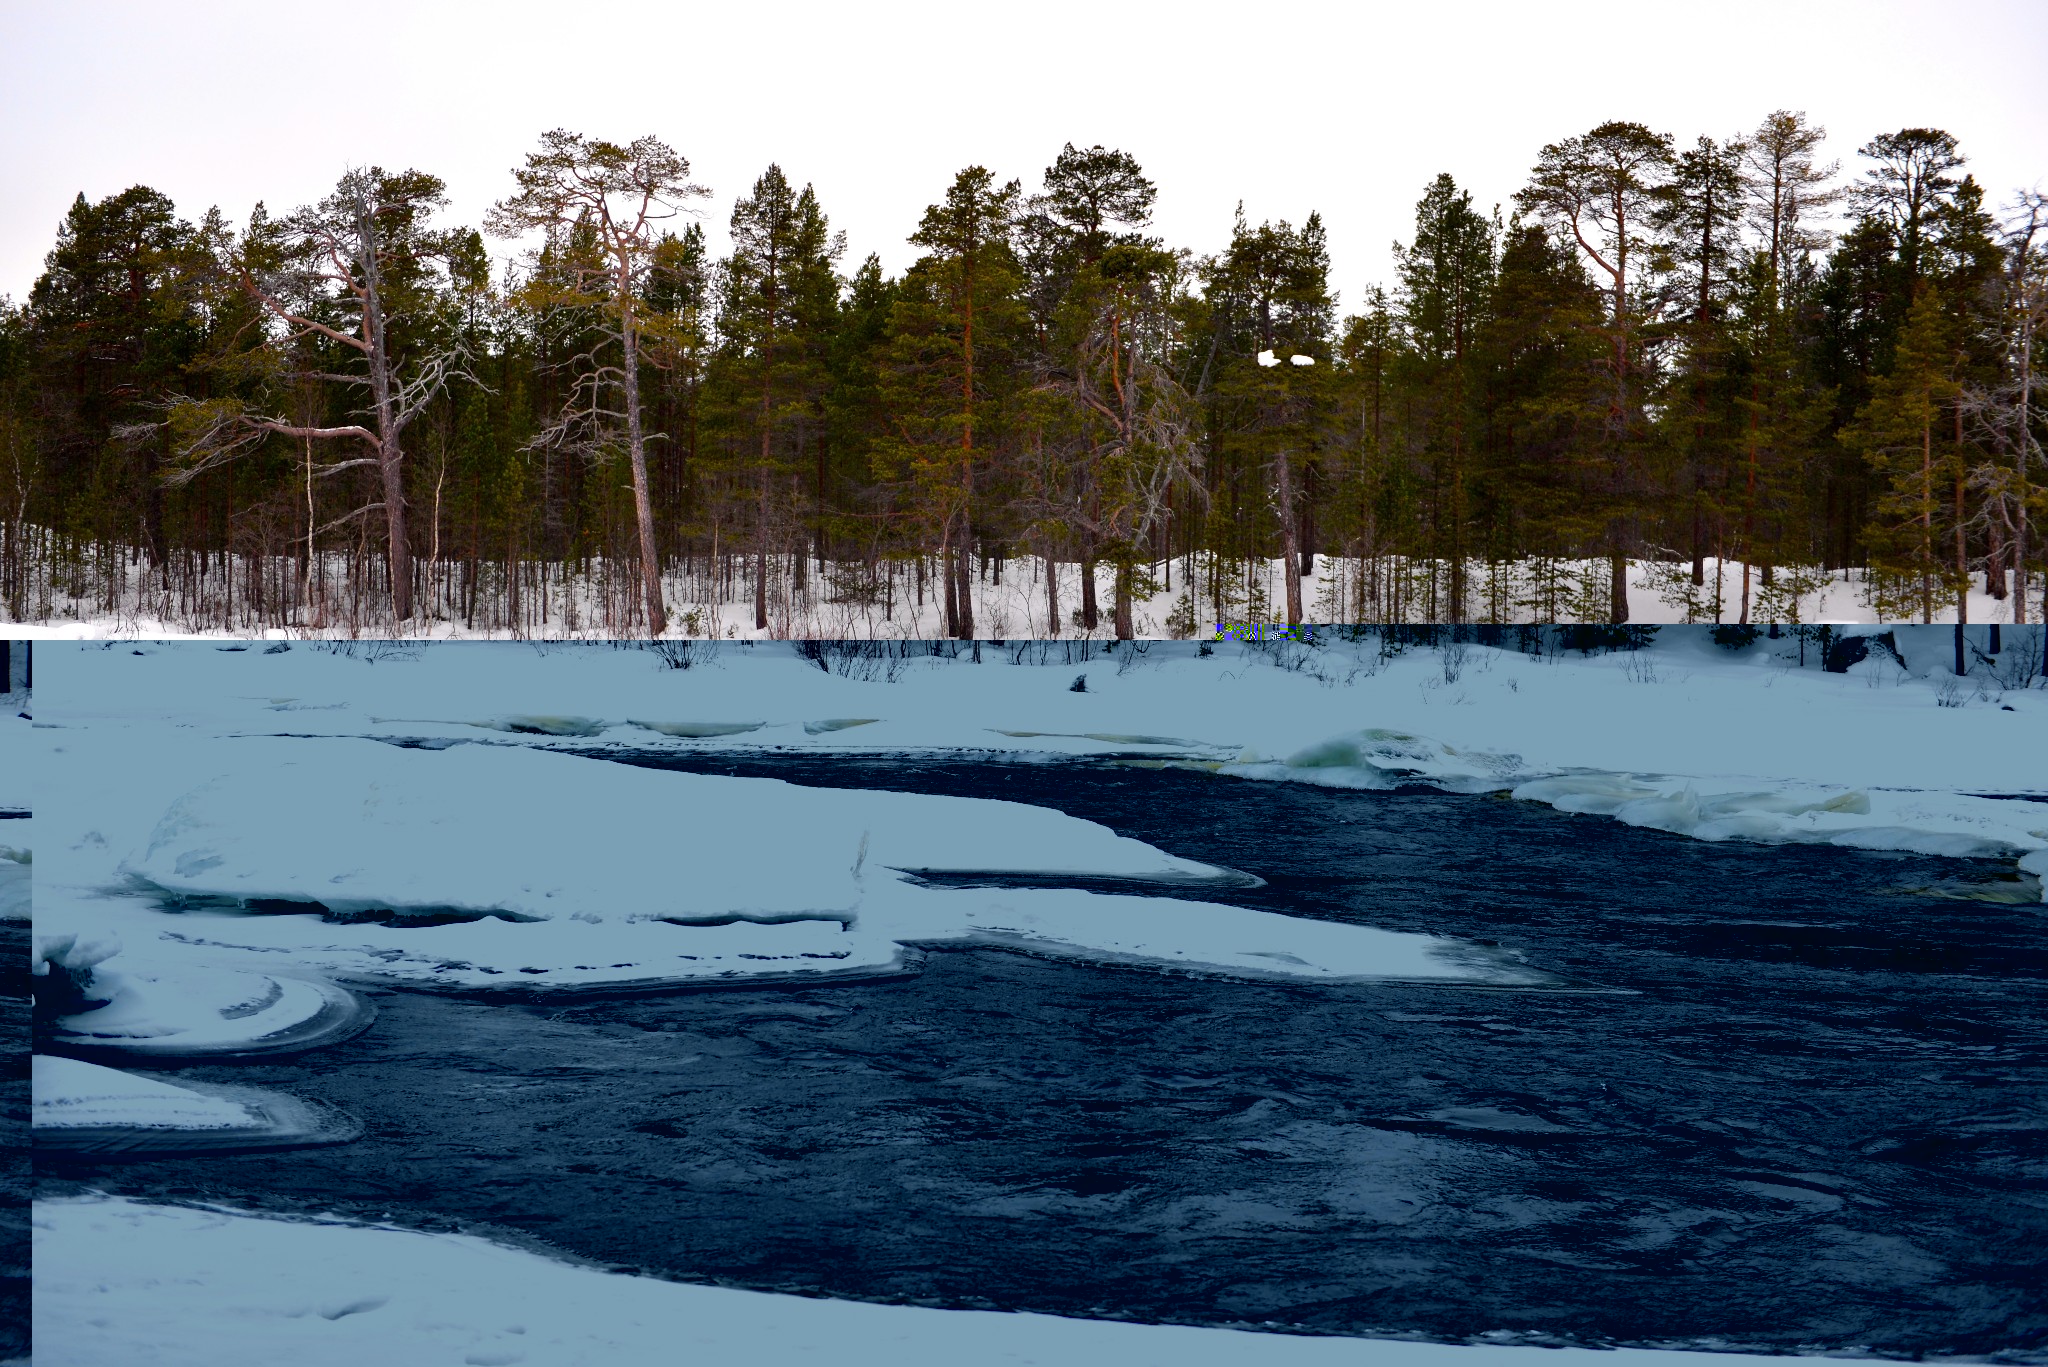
(1787, 189)
(120, 309)
(616, 193)
(1902, 433)
(1908, 188)
(961, 295)
(1446, 287)
(1599, 188)
(776, 314)
(1699, 213)
(1270, 301)
(1544, 389)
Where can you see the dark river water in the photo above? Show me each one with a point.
(1820, 1122)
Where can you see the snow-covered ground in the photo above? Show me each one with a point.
(194, 802)
(1010, 600)
(1684, 736)
(568, 872)
(118, 1281)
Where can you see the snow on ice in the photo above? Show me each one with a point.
(121, 1281)
(1685, 736)
(481, 865)
(84, 1108)
(144, 1011)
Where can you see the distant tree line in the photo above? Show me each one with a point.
(1658, 353)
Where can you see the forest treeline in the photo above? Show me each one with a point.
(1731, 352)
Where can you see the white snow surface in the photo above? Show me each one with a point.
(356, 824)
(17, 839)
(17, 873)
(147, 765)
(193, 1010)
(70, 1094)
(1684, 736)
(176, 1286)
(201, 845)
(1009, 601)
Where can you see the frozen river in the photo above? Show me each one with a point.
(1812, 1120)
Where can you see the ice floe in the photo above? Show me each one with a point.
(190, 1012)
(17, 873)
(84, 1108)
(350, 826)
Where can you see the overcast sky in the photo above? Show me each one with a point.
(1346, 108)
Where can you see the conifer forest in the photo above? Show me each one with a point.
(358, 414)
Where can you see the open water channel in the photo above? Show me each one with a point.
(1816, 1119)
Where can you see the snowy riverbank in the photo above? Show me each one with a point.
(231, 812)
(122, 1281)
(1683, 736)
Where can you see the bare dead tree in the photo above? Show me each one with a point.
(1143, 428)
(353, 271)
(2006, 413)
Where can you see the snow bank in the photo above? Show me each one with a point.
(17, 875)
(175, 1286)
(195, 1013)
(1953, 824)
(1961, 825)
(1378, 758)
(70, 1094)
(477, 830)
(86, 1109)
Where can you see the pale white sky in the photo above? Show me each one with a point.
(1346, 108)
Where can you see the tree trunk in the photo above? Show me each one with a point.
(1290, 549)
(1926, 522)
(952, 585)
(1617, 587)
(1089, 616)
(643, 506)
(964, 569)
(1052, 593)
(1123, 600)
(1962, 555)
(390, 464)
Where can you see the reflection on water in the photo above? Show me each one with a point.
(1815, 1125)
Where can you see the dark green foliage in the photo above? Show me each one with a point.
(1589, 637)
(1735, 637)
(1658, 357)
